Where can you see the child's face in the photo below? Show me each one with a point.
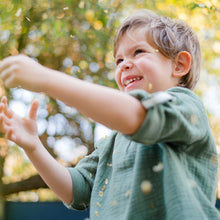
(140, 66)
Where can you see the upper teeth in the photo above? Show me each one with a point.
(131, 80)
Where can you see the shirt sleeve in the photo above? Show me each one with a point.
(178, 116)
(83, 178)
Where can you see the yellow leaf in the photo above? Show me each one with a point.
(90, 15)
(98, 25)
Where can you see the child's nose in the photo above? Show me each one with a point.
(126, 64)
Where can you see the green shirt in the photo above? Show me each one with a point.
(167, 170)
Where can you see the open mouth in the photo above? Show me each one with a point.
(131, 80)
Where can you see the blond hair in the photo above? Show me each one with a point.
(169, 36)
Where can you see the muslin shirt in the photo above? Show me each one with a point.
(166, 170)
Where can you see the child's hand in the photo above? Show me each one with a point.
(22, 131)
(22, 71)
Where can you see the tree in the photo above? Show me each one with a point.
(71, 36)
(76, 37)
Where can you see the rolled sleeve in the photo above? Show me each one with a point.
(83, 176)
(80, 191)
(149, 131)
(173, 119)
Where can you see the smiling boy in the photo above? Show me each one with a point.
(158, 162)
(139, 65)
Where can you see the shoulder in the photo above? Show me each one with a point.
(187, 98)
(175, 96)
(183, 92)
(175, 91)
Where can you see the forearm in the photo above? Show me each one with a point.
(116, 110)
(55, 175)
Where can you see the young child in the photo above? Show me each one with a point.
(160, 162)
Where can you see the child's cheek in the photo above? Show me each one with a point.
(143, 65)
(118, 78)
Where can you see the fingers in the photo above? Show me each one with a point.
(8, 75)
(33, 110)
(5, 130)
(9, 68)
(3, 104)
(6, 114)
(5, 64)
(4, 107)
(5, 120)
(7, 71)
(3, 101)
(9, 135)
(8, 61)
(10, 82)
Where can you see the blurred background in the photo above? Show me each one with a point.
(76, 37)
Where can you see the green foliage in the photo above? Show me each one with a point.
(51, 31)
(71, 36)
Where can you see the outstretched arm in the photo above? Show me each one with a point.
(116, 110)
(23, 131)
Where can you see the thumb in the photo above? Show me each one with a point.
(33, 110)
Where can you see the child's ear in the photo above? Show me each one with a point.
(182, 64)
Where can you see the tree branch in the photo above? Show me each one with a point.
(34, 182)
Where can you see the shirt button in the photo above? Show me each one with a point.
(146, 186)
(106, 181)
(127, 193)
(114, 202)
(100, 193)
(109, 164)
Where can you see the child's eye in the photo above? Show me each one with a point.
(138, 51)
(118, 61)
